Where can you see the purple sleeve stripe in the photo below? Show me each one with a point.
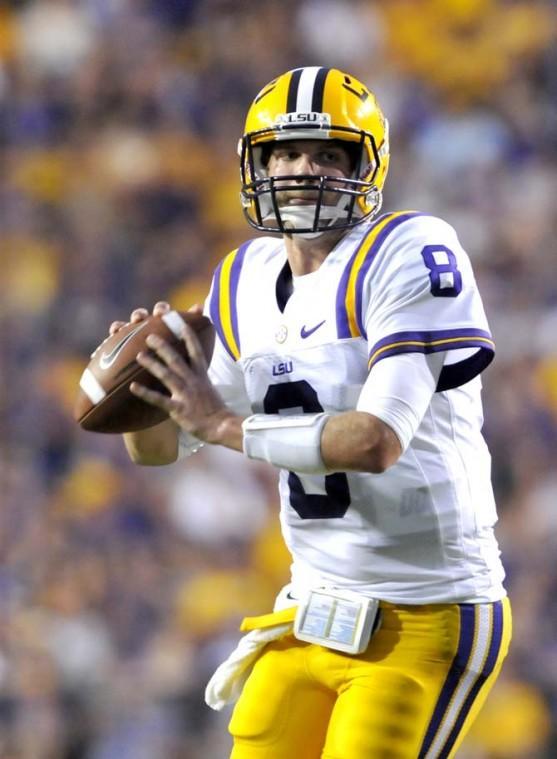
(414, 346)
(429, 342)
(370, 256)
(454, 675)
(452, 375)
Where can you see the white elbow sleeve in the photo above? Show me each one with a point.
(399, 390)
(290, 441)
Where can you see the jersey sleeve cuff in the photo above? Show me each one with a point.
(452, 375)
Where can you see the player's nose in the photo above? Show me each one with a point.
(305, 165)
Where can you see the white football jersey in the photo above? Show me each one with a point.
(421, 532)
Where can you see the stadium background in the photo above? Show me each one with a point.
(121, 587)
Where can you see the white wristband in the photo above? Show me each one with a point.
(188, 444)
(289, 441)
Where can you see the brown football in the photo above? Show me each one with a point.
(105, 402)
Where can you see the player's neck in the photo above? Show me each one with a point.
(305, 256)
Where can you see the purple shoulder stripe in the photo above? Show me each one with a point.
(234, 281)
(223, 307)
(370, 257)
(214, 309)
(349, 314)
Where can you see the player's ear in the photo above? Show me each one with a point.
(197, 308)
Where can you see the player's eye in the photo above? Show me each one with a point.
(291, 155)
(331, 157)
(286, 154)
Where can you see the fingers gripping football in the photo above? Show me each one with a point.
(164, 363)
(139, 315)
(195, 352)
(193, 402)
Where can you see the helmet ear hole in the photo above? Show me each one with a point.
(354, 150)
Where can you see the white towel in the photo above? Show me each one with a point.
(226, 684)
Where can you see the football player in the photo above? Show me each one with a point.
(348, 354)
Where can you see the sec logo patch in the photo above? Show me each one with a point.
(281, 334)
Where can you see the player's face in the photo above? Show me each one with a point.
(306, 158)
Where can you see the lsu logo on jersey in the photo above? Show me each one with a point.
(283, 367)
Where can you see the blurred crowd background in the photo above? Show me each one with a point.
(122, 587)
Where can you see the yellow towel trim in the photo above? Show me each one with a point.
(268, 620)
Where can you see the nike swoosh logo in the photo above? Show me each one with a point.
(307, 332)
(107, 359)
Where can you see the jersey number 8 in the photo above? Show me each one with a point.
(446, 280)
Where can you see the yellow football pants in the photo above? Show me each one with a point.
(412, 695)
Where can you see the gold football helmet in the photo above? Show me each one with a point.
(318, 104)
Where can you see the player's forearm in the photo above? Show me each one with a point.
(319, 443)
(357, 441)
(155, 446)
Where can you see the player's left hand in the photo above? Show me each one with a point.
(193, 404)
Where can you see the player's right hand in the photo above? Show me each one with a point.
(139, 314)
